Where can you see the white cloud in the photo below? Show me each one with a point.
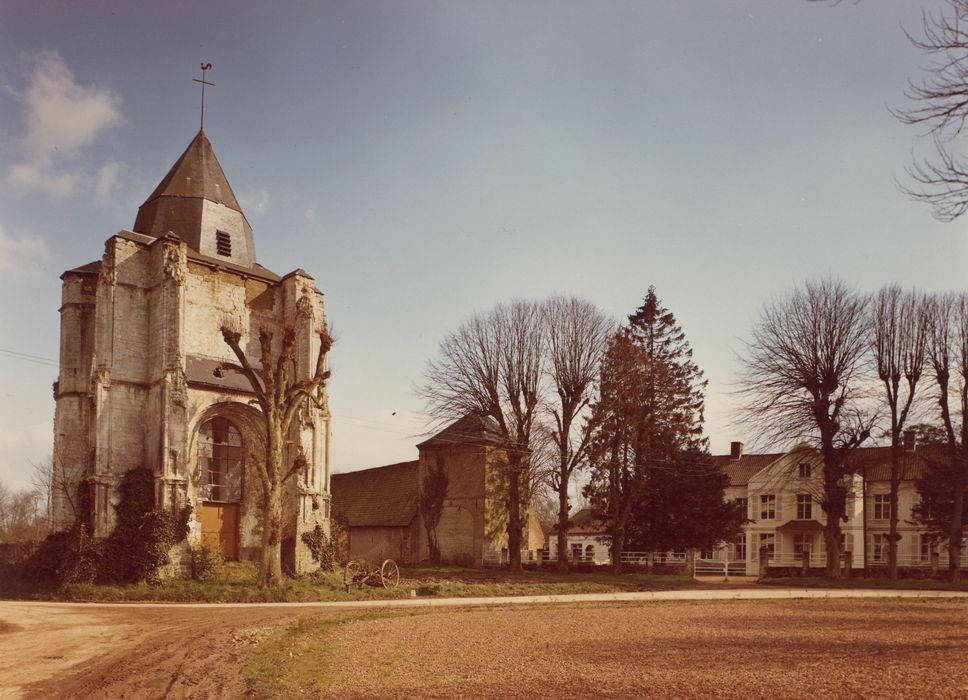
(311, 214)
(42, 177)
(61, 119)
(255, 204)
(62, 116)
(107, 180)
(22, 256)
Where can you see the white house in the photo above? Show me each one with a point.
(782, 492)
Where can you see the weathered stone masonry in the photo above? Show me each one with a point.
(140, 341)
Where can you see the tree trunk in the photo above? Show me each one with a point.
(895, 485)
(955, 533)
(270, 571)
(563, 527)
(618, 546)
(832, 536)
(514, 516)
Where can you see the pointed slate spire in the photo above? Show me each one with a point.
(196, 203)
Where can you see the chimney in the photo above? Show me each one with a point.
(910, 440)
(735, 451)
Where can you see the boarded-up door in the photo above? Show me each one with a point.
(220, 527)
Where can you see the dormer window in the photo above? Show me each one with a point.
(223, 244)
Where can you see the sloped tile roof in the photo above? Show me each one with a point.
(584, 522)
(197, 174)
(874, 463)
(92, 268)
(469, 430)
(201, 370)
(377, 497)
(740, 471)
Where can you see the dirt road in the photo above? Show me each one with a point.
(57, 651)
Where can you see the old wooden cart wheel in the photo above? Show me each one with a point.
(351, 573)
(390, 574)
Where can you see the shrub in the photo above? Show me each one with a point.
(324, 549)
(65, 557)
(207, 562)
(143, 535)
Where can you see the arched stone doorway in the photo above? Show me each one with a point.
(220, 473)
(250, 425)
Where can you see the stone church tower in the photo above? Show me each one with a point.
(140, 343)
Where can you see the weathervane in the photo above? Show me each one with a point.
(205, 67)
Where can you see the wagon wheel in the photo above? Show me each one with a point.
(390, 574)
(351, 573)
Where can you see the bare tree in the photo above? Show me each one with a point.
(940, 102)
(948, 357)
(22, 517)
(576, 333)
(899, 343)
(802, 375)
(491, 366)
(280, 396)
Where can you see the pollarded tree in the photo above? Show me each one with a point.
(576, 336)
(948, 360)
(648, 416)
(940, 102)
(492, 367)
(898, 342)
(280, 395)
(802, 378)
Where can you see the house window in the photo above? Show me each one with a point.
(882, 506)
(223, 244)
(804, 470)
(739, 548)
(768, 506)
(220, 460)
(926, 547)
(590, 552)
(744, 504)
(880, 548)
(768, 541)
(804, 506)
(576, 551)
(801, 544)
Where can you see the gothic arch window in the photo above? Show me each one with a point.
(220, 461)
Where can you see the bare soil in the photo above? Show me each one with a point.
(801, 648)
(77, 651)
(796, 649)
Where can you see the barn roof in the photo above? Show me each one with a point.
(472, 429)
(377, 497)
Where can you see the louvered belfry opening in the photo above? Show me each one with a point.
(223, 244)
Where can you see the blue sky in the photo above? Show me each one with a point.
(425, 160)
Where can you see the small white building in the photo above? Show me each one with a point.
(586, 541)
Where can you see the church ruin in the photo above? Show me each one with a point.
(138, 387)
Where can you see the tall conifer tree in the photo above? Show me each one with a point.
(649, 413)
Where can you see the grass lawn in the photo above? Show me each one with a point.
(922, 584)
(237, 584)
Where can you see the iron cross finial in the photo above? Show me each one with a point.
(205, 67)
